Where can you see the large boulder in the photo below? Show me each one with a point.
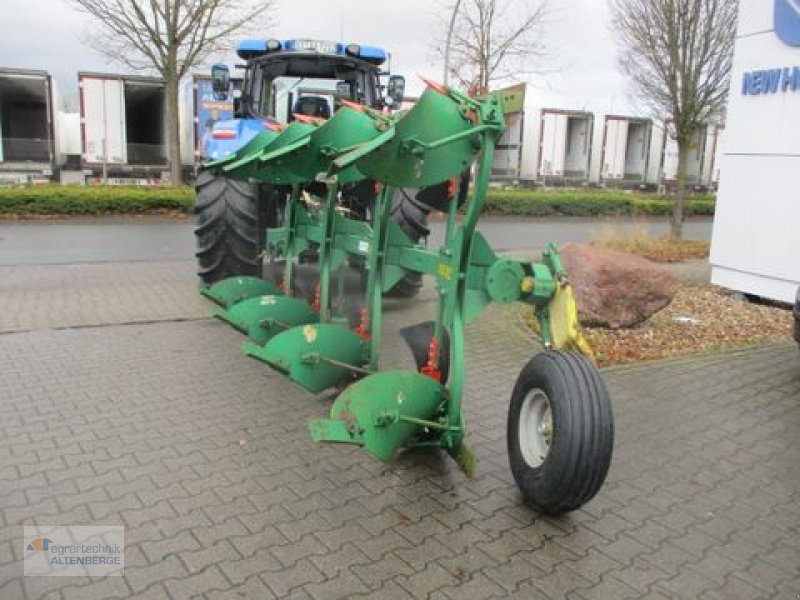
(615, 289)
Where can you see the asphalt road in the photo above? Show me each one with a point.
(123, 239)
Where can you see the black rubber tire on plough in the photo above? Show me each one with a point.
(578, 455)
(229, 226)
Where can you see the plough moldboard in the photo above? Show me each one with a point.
(560, 431)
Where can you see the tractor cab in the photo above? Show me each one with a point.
(284, 78)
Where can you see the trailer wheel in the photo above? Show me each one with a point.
(230, 219)
(560, 431)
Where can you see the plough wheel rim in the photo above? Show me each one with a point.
(536, 427)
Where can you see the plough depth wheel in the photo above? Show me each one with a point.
(560, 431)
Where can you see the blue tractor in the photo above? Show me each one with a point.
(284, 78)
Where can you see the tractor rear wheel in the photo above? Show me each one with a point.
(412, 216)
(407, 210)
(410, 209)
(231, 217)
(560, 431)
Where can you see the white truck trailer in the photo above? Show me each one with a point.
(28, 130)
(622, 151)
(544, 147)
(570, 147)
(565, 146)
(508, 152)
(702, 169)
(715, 147)
(754, 245)
(123, 133)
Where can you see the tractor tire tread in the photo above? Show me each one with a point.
(227, 228)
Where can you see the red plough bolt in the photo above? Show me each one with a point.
(363, 326)
(431, 369)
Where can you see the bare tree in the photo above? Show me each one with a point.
(170, 37)
(490, 40)
(678, 55)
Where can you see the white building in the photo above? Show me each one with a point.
(756, 242)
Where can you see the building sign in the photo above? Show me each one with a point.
(771, 81)
(778, 80)
(787, 21)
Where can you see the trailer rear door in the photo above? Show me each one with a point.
(697, 157)
(614, 151)
(554, 144)
(103, 118)
(507, 156)
(26, 123)
(637, 148)
(669, 171)
(577, 146)
(709, 176)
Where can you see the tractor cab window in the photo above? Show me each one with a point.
(282, 97)
(312, 106)
(281, 89)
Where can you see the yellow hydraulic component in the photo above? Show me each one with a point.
(564, 324)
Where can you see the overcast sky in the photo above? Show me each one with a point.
(46, 34)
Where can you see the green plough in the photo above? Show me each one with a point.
(560, 426)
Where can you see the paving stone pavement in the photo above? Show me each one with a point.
(90, 294)
(203, 455)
